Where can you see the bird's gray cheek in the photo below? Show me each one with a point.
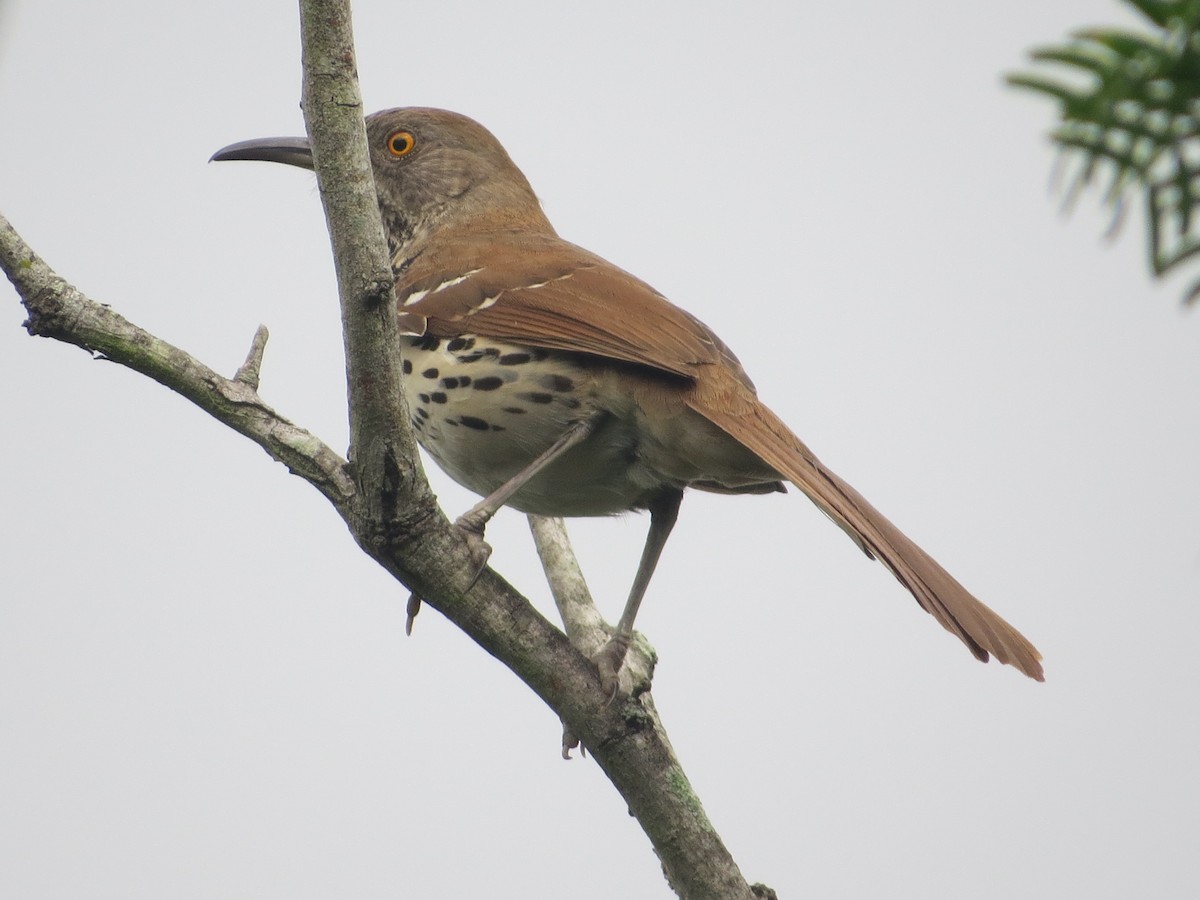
(457, 186)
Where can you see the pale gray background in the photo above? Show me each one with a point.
(205, 690)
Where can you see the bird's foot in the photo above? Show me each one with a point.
(608, 660)
(471, 528)
(414, 607)
(570, 742)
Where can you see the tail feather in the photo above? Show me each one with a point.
(936, 590)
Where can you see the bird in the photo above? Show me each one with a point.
(547, 379)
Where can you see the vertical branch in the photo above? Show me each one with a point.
(383, 452)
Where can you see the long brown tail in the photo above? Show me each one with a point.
(939, 594)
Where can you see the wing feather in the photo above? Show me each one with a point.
(550, 294)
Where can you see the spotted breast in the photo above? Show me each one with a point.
(484, 409)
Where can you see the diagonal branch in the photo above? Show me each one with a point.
(585, 626)
(58, 310)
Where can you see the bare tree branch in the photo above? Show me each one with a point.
(58, 310)
(381, 491)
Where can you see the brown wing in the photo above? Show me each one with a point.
(544, 292)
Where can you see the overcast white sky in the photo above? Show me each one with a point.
(205, 689)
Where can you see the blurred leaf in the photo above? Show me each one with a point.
(1130, 114)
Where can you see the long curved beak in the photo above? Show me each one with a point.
(292, 151)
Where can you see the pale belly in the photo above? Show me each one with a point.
(484, 410)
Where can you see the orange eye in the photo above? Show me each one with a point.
(401, 143)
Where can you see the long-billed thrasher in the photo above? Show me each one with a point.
(547, 379)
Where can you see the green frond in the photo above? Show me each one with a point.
(1163, 12)
(1129, 108)
(1155, 10)
(1084, 55)
(1055, 89)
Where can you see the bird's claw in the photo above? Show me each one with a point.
(608, 660)
(414, 607)
(472, 532)
(570, 742)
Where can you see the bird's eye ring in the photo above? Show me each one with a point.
(401, 143)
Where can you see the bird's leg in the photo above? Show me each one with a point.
(473, 521)
(664, 510)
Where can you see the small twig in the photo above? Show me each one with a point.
(250, 370)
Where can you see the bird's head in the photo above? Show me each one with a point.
(433, 170)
